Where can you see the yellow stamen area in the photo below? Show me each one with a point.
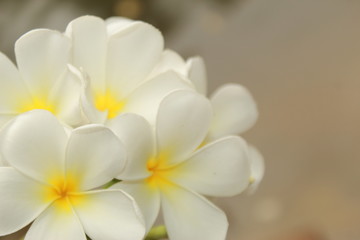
(37, 102)
(159, 168)
(63, 192)
(108, 101)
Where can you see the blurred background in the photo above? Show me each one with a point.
(301, 61)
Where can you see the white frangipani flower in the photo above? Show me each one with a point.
(50, 178)
(119, 56)
(44, 79)
(234, 108)
(171, 170)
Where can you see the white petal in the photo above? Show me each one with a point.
(154, 92)
(221, 168)
(170, 60)
(130, 59)
(5, 118)
(147, 198)
(55, 224)
(94, 155)
(42, 56)
(66, 94)
(21, 200)
(182, 123)
(13, 91)
(34, 143)
(257, 169)
(190, 216)
(111, 215)
(92, 114)
(235, 111)
(136, 134)
(116, 24)
(89, 46)
(197, 73)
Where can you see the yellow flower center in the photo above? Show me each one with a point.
(63, 192)
(38, 102)
(160, 170)
(109, 102)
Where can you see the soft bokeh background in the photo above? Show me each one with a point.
(301, 61)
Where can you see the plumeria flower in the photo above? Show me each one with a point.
(51, 177)
(234, 108)
(171, 170)
(43, 80)
(119, 56)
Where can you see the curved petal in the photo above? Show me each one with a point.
(34, 143)
(182, 123)
(257, 169)
(91, 113)
(13, 91)
(116, 24)
(190, 216)
(55, 224)
(136, 134)
(89, 45)
(94, 156)
(170, 60)
(221, 168)
(109, 214)
(148, 199)
(22, 200)
(154, 91)
(42, 56)
(235, 111)
(130, 59)
(66, 94)
(197, 74)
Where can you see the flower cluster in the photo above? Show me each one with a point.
(101, 128)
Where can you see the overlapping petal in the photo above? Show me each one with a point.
(18, 204)
(56, 225)
(147, 198)
(190, 216)
(257, 168)
(182, 123)
(235, 111)
(109, 214)
(136, 134)
(94, 155)
(34, 143)
(197, 73)
(221, 168)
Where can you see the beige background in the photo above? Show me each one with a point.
(301, 61)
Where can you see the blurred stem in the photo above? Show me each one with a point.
(157, 233)
(112, 182)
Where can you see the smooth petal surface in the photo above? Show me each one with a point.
(42, 56)
(116, 24)
(94, 155)
(145, 100)
(147, 198)
(55, 224)
(170, 60)
(136, 134)
(197, 74)
(257, 168)
(130, 59)
(89, 47)
(110, 215)
(20, 202)
(182, 123)
(190, 216)
(13, 91)
(67, 94)
(221, 168)
(235, 111)
(34, 143)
